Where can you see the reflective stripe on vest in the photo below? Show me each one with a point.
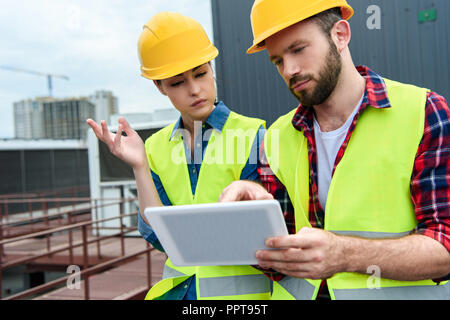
(372, 235)
(369, 194)
(169, 272)
(431, 292)
(300, 289)
(234, 285)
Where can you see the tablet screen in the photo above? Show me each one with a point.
(216, 234)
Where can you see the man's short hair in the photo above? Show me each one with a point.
(327, 19)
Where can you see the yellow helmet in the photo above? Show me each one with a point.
(170, 44)
(270, 16)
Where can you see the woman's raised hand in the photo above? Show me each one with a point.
(129, 148)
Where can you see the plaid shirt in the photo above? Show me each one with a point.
(430, 181)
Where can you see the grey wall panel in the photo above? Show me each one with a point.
(70, 169)
(11, 172)
(38, 170)
(34, 171)
(403, 49)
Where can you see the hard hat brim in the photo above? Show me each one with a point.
(259, 42)
(165, 72)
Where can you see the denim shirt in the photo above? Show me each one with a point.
(216, 121)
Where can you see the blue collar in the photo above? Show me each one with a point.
(216, 119)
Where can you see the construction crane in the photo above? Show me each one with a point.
(48, 75)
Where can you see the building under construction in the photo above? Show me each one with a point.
(62, 118)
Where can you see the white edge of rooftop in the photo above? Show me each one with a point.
(41, 144)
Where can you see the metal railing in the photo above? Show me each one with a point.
(64, 212)
(70, 192)
(70, 228)
(57, 193)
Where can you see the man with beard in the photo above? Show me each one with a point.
(362, 167)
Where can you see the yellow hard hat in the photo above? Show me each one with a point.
(270, 16)
(170, 44)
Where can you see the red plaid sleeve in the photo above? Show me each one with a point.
(430, 183)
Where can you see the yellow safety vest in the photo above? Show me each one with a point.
(369, 194)
(224, 159)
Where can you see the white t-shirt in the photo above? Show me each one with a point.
(327, 147)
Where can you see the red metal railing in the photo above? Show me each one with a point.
(57, 193)
(70, 192)
(69, 228)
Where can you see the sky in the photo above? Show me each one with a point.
(94, 43)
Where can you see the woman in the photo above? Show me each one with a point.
(193, 160)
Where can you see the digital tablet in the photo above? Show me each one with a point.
(216, 234)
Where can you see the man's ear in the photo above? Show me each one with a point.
(158, 84)
(341, 34)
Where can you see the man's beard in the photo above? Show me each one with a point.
(328, 79)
